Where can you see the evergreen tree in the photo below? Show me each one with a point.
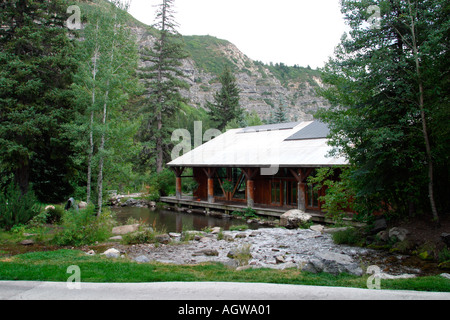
(279, 116)
(225, 107)
(36, 70)
(387, 89)
(163, 79)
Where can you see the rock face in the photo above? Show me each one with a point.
(261, 89)
(293, 218)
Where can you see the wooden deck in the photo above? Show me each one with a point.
(228, 207)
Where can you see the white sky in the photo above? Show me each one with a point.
(303, 32)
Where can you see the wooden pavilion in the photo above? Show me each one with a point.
(259, 167)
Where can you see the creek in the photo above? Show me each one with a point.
(170, 221)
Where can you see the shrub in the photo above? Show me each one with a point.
(243, 254)
(139, 237)
(83, 227)
(16, 208)
(350, 236)
(164, 182)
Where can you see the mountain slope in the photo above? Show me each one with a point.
(263, 87)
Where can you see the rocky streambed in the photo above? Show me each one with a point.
(276, 248)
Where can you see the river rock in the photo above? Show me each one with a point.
(163, 238)
(27, 242)
(293, 218)
(112, 253)
(206, 252)
(125, 229)
(445, 275)
(317, 228)
(399, 233)
(333, 263)
(142, 259)
(378, 226)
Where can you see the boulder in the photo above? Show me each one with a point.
(317, 228)
(27, 242)
(112, 253)
(378, 226)
(333, 263)
(293, 218)
(163, 238)
(399, 233)
(125, 229)
(142, 259)
(82, 205)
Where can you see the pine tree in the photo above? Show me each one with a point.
(163, 79)
(279, 116)
(36, 70)
(387, 88)
(226, 107)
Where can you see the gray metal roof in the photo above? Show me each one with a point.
(271, 127)
(261, 149)
(315, 130)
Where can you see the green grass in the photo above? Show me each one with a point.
(52, 266)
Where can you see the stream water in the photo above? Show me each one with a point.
(170, 221)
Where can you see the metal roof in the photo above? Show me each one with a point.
(263, 148)
(271, 127)
(315, 130)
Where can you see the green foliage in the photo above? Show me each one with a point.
(340, 194)
(139, 237)
(37, 66)
(349, 236)
(225, 107)
(376, 116)
(15, 208)
(84, 227)
(207, 54)
(164, 182)
(243, 254)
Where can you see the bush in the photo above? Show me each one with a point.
(15, 208)
(164, 182)
(83, 227)
(350, 236)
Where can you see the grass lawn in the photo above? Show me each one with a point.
(52, 266)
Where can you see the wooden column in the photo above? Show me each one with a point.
(210, 175)
(250, 173)
(301, 175)
(178, 173)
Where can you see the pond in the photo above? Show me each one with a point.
(170, 221)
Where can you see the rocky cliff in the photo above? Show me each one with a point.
(263, 87)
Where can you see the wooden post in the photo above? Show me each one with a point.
(250, 193)
(211, 190)
(250, 173)
(301, 188)
(301, 175)
(178, 188)
(178, 173)
(210, 175)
